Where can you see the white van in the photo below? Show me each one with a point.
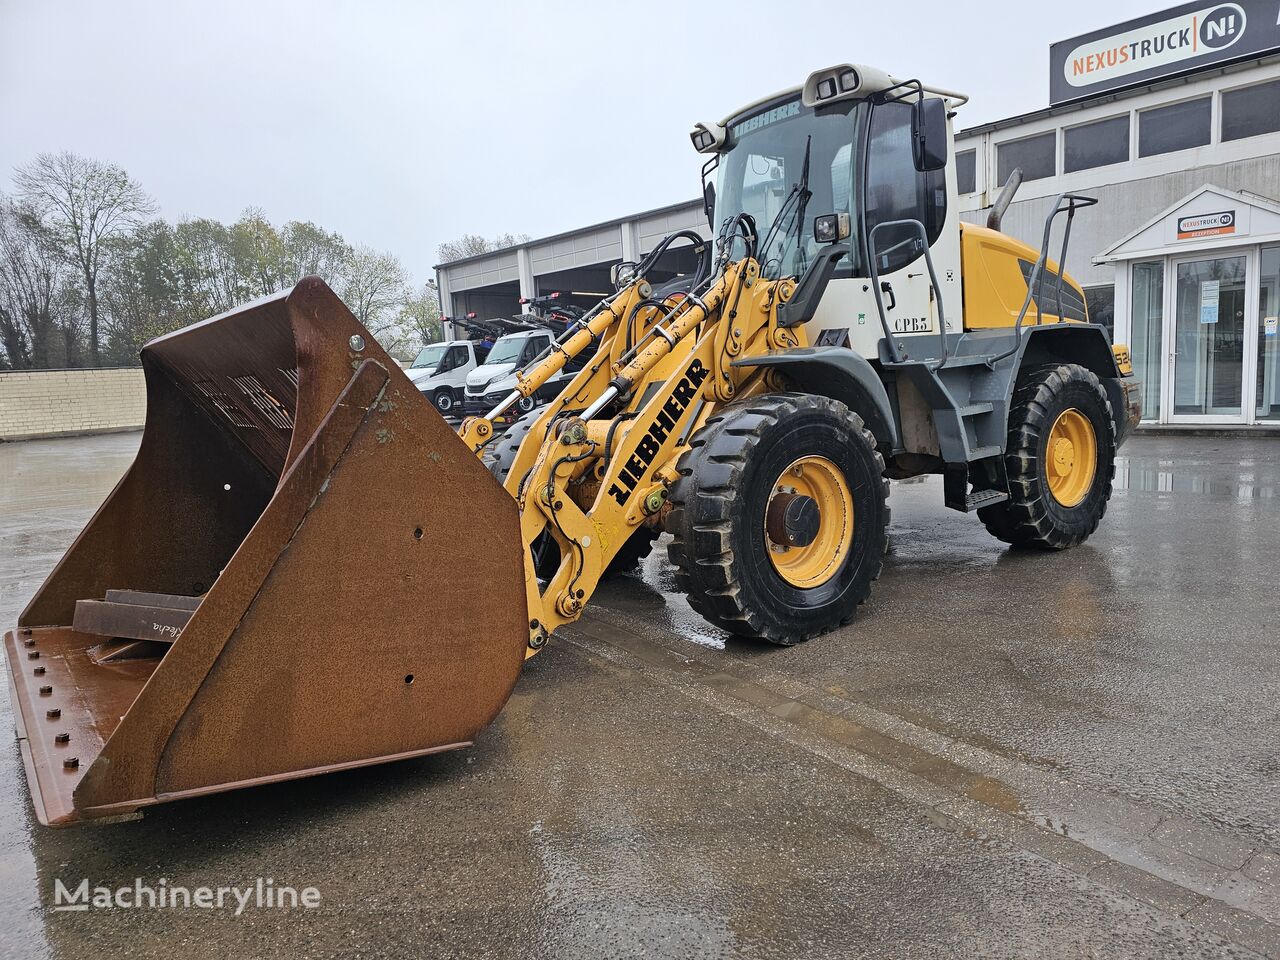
(495, 378)
(440, 371)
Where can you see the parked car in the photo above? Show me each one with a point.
(440, 371)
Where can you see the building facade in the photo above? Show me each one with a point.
(1171, 121)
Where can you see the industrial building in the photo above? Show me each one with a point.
(1172, 121)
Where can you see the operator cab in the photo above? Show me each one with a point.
(829, 162)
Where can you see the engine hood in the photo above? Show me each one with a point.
(421, 374)
(486, 373)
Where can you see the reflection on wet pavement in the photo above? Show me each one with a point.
(1168, 477)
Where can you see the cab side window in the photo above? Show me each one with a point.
(533, 346)
(456, 358)
(897, 191)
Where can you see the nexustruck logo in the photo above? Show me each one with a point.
(1167, 42)
(261, 894)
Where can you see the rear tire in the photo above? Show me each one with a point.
(1060, 460)
(724, 517)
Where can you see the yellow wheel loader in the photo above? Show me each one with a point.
(278, 586)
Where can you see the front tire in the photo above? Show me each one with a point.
(508, 445)
(1060, 460)
(779, 517)
(443, 400)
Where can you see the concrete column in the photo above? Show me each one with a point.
(524, 262)
(446, 303)
(630, 241)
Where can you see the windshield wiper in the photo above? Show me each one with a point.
(801, 192)
(804, 202)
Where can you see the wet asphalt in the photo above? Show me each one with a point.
(1005, 755)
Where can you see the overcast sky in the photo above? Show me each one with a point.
(404, 124)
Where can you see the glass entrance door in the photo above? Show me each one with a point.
(1209, 324)
(1268, 393)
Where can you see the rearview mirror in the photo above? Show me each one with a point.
(929, 134)
(709, 203)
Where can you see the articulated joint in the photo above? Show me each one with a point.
(570, 602)
(654, 500)
(573, 432)
(538, 635)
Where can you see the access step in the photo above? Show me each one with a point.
(959, 498)
(983, 498)
(957, 495)
(974, 409)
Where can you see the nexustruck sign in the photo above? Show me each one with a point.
(1179, 40)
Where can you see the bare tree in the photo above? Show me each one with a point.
(308, 249)
(259, 253)
(142, 295)
(374, 285)
(420, 315)
(31, 284)
(472, 245)
(88, 203)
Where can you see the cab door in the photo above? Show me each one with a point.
(895, 190)
(891, 188)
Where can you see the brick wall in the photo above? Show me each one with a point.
(55, 403)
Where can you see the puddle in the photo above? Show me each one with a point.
(1166, 479)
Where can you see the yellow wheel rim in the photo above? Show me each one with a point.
(803, 556)
(1071, 457)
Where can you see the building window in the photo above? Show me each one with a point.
(967, 171)
(1095, 144)
(1102, 307)
(1035, 155)
(1146, 333)
(1251, 111)
(1179, 126)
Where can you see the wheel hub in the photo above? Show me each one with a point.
(809, 522)
(1071, 456)
(792, 519)
(1064, 456)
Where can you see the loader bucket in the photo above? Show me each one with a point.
(304, 570)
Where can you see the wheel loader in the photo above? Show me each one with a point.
(277, 587)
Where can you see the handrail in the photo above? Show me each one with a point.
(894, 352)
(1074, 201)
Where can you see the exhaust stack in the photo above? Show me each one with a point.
(1004, 199)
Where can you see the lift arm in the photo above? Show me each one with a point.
(600, 459)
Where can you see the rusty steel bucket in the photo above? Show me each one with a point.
(304, 570)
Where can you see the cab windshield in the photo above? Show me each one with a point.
(761, 168)
(429, 356)
(506, 350)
